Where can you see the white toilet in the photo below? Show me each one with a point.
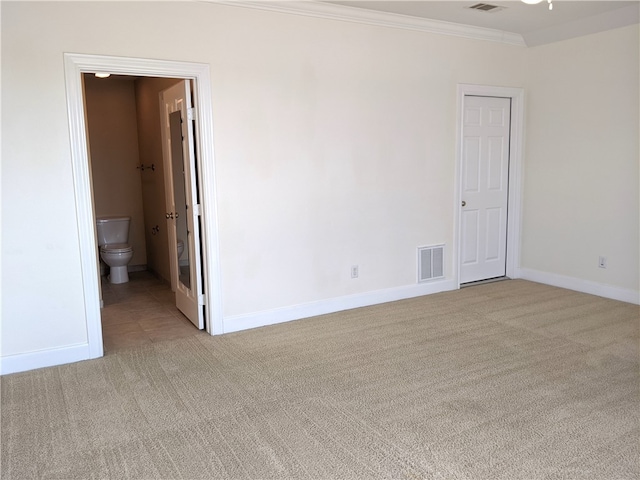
(180, 248)
(113, 234)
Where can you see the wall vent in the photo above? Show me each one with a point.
(430, 263)
(485, 7)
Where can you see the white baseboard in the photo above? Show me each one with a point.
(75, 353)
(43, 358)
(579, 285)
(237, 323)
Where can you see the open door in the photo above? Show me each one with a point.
(183, 206)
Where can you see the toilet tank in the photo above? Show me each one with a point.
(112, 229)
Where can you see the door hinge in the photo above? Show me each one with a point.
(202, 300)
(196, 209)
(191, 113)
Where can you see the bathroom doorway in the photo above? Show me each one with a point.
(130, 179)
(76, 66)
(128, 174)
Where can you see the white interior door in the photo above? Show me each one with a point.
(486, 125)
(183, 208)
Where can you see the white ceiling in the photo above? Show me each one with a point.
(535, 23)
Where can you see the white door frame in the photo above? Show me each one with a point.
(515, 172)
(77, 64)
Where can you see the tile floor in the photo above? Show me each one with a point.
(140, 312)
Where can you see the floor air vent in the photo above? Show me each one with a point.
(430, 263)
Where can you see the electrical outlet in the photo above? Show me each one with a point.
(354, 271)
(602, 262)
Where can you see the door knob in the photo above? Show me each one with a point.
(464, 204)
(169, 215)
(176, 214)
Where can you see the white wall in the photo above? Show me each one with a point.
(582, 178)
(338, 149)
(334, 146)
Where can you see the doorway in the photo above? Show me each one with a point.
(488, 189)
(75, 66)
(129, 179)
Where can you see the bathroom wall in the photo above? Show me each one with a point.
(147, 94)
(113, 148)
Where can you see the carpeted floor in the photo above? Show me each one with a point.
(509, 380)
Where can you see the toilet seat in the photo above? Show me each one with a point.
(116, 248)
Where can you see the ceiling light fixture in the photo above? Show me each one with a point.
(102, 74)
(535, 2)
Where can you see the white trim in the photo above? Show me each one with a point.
(237, 323)
(87, 239)
(579, 285)
(75, 66)
(44, 358)
(381, 19)
(515, 171)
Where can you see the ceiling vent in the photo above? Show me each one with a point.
(485, 7)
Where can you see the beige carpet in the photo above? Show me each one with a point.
(510, 380)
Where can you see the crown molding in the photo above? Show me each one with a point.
(311, 8)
